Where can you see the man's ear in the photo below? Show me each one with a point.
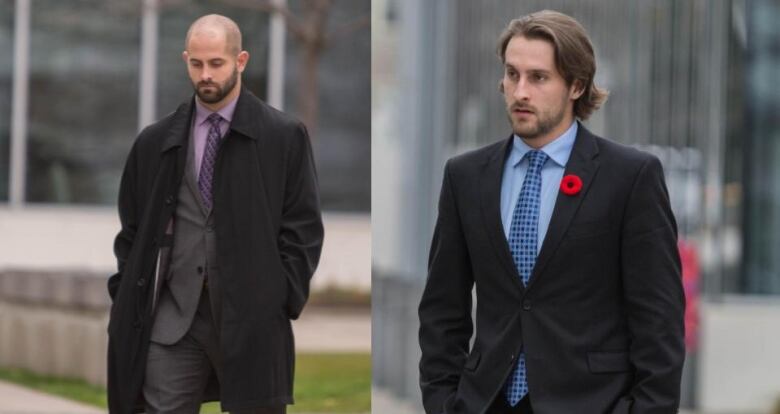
(576, 90)
(501, 86)
(242, 60)
(185, 56)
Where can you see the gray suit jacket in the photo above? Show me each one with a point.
(193, 259)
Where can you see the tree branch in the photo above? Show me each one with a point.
(293, 24)
(348, 28)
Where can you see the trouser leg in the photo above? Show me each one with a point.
(175, 378)
(176, 375)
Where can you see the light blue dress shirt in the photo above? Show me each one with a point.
(515, 168)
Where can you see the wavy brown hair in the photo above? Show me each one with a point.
(574, 57)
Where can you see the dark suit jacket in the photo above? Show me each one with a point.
(601, 320)
(269, 235)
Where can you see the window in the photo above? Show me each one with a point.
(6, 90)
(84, 57)
(761, 135)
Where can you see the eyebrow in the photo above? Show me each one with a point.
(541, 71)
(209, 60)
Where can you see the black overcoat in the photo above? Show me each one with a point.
(269, 236)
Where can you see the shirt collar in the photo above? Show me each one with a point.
(558, 149)
(201, 112)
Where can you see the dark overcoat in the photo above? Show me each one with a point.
(269, 236)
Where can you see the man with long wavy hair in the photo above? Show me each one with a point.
(570, 241)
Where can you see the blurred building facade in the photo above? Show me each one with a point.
(78, 80)
(692, 82)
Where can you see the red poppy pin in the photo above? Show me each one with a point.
(571, 185)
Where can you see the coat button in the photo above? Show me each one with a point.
(141, 282)
(200, 269)
(169, 200)
(526, 304)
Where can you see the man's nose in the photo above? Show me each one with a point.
(521, 89)
(205, 75)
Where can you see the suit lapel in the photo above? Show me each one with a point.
(490, 187)
(584, 164)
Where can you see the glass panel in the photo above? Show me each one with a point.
(342, 135)
(762, 128)
(6, 89)
(83, 98)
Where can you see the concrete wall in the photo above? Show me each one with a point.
(54, 324)
(54, 264)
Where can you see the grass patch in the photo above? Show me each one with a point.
(72, 389)
(333, 383)
(337, 383)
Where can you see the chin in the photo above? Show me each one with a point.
(526, 131)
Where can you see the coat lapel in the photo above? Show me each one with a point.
(583, 163)
(171, 150)
(490, 187)
(179, 131)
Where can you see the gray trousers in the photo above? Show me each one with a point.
(177, 375)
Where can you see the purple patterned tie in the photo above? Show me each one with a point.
(206, 175)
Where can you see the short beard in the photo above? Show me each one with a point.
(542, 127)
(545, 123)
(221, 91)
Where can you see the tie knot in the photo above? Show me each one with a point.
(536, 159)
(214, 119)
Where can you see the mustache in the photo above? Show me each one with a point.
(201, 84)
(521, 107)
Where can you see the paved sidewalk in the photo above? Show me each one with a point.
(322, 329)
(19, 400)
(383, 401)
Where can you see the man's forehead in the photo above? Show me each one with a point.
(524, 51)
(207, 50)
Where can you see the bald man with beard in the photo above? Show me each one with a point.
(221, 233)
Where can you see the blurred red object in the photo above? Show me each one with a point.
(690, 276)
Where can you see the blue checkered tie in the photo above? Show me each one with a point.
(522, 243)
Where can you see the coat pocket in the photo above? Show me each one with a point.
(608, 362)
